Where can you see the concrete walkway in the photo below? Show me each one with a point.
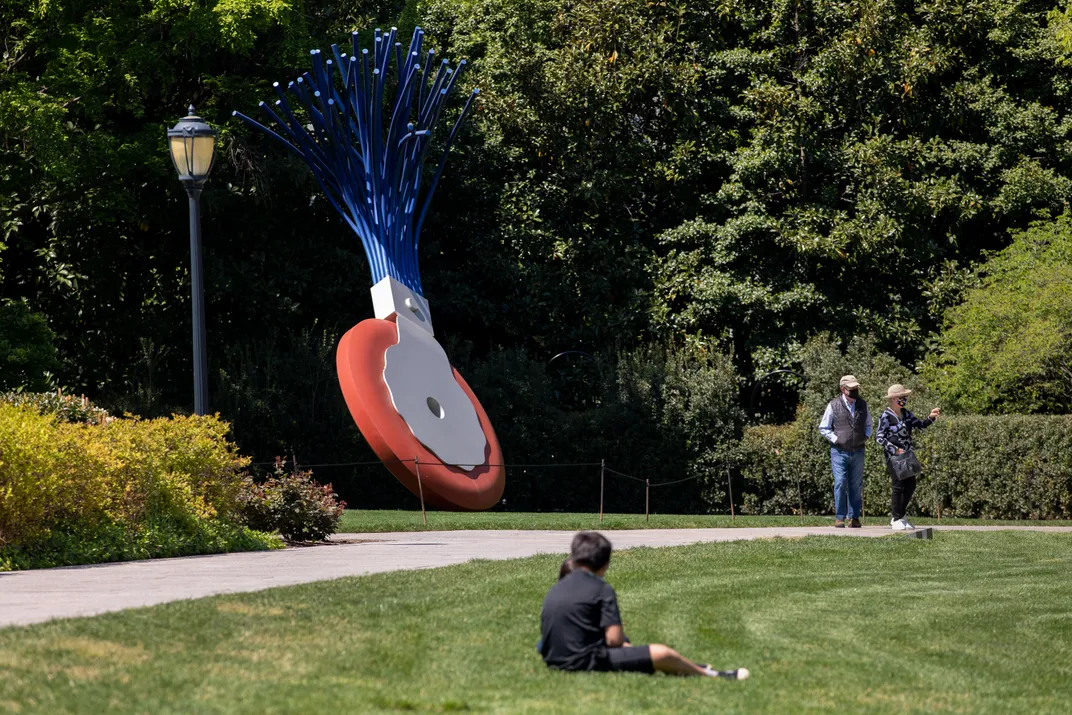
(35, 596)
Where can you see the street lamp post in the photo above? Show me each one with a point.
(193, 149)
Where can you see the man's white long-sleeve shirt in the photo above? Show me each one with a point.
(826, 424)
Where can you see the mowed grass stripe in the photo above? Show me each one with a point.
(968, 622)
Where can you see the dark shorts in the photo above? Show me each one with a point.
(629, 660)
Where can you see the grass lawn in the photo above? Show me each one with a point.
(968, 622)
(355, 520)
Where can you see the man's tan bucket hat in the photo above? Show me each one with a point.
(897, 391)
(850, 381)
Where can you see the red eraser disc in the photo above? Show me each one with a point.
(360, 364)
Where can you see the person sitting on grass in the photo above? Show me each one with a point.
(563, 571)
(582, 628)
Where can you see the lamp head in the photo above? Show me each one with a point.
(193, 148)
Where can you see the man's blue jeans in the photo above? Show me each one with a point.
(848, 482)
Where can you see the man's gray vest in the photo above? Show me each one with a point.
(850, 428)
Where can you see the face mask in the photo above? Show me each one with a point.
(854, 394)
(902, 401)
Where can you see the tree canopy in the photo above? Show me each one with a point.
(1007, 347)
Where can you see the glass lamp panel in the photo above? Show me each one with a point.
(180, 154)
(204, 148)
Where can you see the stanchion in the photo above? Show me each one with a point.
(938, 495)
(647, 497)
(602, 471)
(729, 487)
(800, 499)
(420, 488)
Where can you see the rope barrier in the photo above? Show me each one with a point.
(407, 461)
(508, 466)
(623, 474)
(604, 470)
(678, 481)
(647, 482)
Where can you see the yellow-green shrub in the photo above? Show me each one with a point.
(178, 478)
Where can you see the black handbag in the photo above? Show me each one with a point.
(905, 466)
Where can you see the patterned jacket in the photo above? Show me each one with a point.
(895, 433)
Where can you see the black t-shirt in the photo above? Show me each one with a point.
(575, 613)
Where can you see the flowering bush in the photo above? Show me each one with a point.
(292, 504)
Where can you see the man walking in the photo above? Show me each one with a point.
(847, 424)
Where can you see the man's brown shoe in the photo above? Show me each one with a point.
(854, 524)
(839, 524)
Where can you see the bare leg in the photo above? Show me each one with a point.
(667, 660)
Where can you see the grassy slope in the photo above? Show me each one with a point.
(380, 521)
(964, 623)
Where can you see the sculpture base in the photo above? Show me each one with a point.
(360, 361)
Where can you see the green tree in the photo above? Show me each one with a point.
(880, 147)
(1006, 348)
(28, 356)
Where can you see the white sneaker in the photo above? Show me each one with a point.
(899, 525)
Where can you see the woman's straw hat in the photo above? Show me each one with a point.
(897, 391)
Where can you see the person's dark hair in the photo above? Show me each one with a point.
(566, 569)
(590, 549)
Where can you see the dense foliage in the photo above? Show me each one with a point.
(72, 492)
(28, 355)
(1007, 347)
(730, 178)
(653, 413)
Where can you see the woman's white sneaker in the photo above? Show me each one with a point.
(899, 525)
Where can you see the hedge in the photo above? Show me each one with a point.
(993, 467)
(72, 492)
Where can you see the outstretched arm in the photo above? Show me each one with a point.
(917, 423)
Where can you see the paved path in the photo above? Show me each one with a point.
(36, 596)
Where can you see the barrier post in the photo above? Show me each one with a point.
(729, 486)
(420, 488)
(647, 498)
(800, 499)
(602, 471)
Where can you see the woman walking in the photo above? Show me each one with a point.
(894, 435)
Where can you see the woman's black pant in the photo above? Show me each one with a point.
(900, 495)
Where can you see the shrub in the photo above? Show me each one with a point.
(292, 504)
(67, 408)
(78, 493)
(997, 467)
